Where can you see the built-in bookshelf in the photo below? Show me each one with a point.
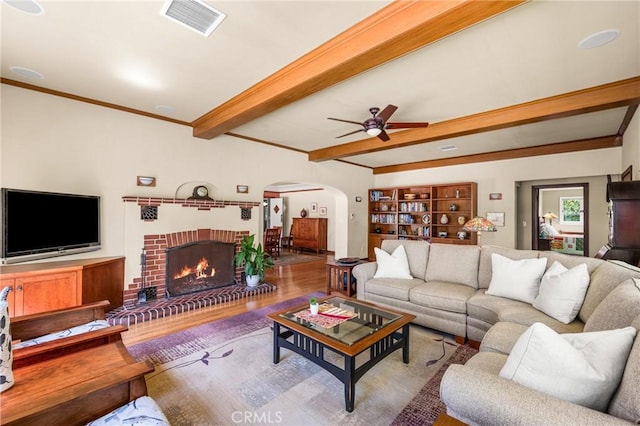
(434, 213)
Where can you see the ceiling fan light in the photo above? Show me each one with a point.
(374, 131)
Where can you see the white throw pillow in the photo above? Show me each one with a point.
(394, 265)
(516, 279)
(562, 291)
(583, 368)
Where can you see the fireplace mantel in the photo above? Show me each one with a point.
(188, 202)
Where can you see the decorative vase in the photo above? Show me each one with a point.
(6, 355)
(462, 220)
(314, 308)
(444, 219)
(303, 213)
(253, 280)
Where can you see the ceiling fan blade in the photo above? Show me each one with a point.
(383, 136)
(387, 112)
(350, 133)
(359, 123)
(406, 125)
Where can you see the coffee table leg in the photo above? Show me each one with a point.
(276, 346)
(349, 384)
(405, 344)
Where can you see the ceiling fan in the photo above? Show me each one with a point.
(376, 125)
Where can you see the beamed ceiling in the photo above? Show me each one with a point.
(495, 79)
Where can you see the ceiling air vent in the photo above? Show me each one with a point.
(194, 15)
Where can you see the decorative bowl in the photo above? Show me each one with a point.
(409, 196)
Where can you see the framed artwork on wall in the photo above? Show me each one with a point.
(497, 218)
(314, 207)
(323, 211)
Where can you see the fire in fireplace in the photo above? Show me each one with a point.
(199, 266)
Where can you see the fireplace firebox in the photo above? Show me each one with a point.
(199, 266)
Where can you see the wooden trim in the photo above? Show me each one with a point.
(90, 101)
(612, 141)
(627, 119)
(598, 98)
(393, 31)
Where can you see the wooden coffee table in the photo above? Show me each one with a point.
(379, 330)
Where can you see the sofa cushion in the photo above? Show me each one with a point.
(618, 309)
(516, 279)
(454, 264)
(502, 336)
(393, 288)
(491, 309)
(485, 271)
(603, 280)
(441, 295)
(141, 411)
(392, 265)
(626, 401)
(73, 331)
(562, 291)
(586, 368)
(417, 254)
(570, 260)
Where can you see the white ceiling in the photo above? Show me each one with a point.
(126, 53)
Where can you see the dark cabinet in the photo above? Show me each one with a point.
(624, 223)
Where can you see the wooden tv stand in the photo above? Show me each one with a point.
(42, 287)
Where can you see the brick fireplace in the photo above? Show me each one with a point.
(155, 247)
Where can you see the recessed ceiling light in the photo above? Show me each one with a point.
(166, 109)
(27, 6)
(448, 148)
(598, 39)
(26, 72)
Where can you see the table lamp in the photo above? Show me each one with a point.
(479, 224)
(550, 216)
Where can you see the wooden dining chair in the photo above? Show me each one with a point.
(272, 241)
(287, 240)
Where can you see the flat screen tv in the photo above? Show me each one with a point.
(37, 224)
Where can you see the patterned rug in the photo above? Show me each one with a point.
(291, 258)
(160, 308)
(222, 373)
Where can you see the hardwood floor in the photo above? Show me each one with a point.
(292, 281)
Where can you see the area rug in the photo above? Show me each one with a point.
(292, 258)
(222, 373)
(162, 307)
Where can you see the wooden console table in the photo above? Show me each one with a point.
(74, 389)
(47, 286)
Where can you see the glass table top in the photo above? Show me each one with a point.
(345, 320)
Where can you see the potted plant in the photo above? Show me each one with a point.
(254, 259)
(313, 306)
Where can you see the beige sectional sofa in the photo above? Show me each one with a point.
(448, 292)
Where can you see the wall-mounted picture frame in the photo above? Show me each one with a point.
(358, 199)
(242, 189)
(314, 207)
(323, 211)
(495, 196)
(497, 218)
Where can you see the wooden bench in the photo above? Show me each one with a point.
(28, 327)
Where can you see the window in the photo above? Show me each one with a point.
(571, 210)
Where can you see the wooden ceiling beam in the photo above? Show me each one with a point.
(393, 31)
(508, 154)
(598, 98)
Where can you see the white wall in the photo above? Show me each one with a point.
(631, 147)
(55, 144)
(501, 176)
